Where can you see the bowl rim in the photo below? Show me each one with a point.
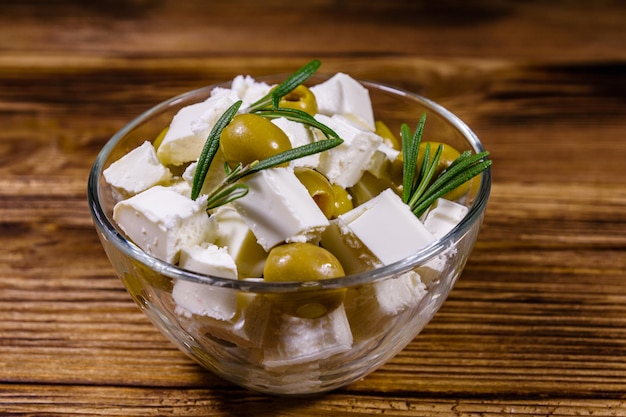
(111, 233)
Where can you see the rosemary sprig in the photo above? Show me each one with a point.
(420, 191)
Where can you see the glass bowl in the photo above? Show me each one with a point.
(260, 347)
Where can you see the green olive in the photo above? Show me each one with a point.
(301, 262)
(300, 98)
(319, 189)
(249, 138)
(388, 138)
(343, 201)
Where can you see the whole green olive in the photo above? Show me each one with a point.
(249, 137)
(319, 189)
(301, 262)
(300, 98)
(343, 201)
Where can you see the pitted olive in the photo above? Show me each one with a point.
(319, 189)
(300, 98)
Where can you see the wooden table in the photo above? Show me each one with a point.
(535, 326)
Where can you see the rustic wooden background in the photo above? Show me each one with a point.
(535, 326)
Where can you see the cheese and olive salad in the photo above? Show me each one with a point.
(316, 217)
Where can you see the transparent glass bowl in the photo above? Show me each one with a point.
(262, 348)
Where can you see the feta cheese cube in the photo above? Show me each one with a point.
(206, 300)
(385, 226)
(292, 340)
(189, 130)
(354, 256)
(344, 164)
(342, 94)
(236, 236)
(299, 135)
(161, 222)
(245, 329)
(368, 305)
(137, 171)
(278, 208)
(443, 215)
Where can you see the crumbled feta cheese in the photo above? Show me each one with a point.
(137, 171)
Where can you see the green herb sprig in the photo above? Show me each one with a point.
(419, 189)
(231, 189)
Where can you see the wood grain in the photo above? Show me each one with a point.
(535, 326)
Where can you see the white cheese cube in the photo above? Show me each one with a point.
(245, 329)
(386, 227)
(208, 259)
(353, 255)
(367, 305)
(189, 130)
(236, 236)
(342, 94)
(292, 340)
(443, 215)
(299, 135)
(396, 294)
(161, 222)
(206, 300)
(278, 208)
(344, 164)
(137, 171)
(438, 267)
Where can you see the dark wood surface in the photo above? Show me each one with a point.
(535, 326)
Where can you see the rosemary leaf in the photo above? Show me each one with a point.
(427, 172)
(210, 149)
(410, 149)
